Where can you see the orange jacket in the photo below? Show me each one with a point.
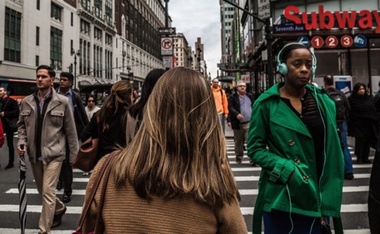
(221, 102)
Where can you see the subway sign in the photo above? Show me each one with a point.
(364, 19)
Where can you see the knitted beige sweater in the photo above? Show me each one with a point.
(125, 212)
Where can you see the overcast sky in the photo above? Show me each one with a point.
(199, 18)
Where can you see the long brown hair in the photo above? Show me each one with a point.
(120, 97)
(180, 147)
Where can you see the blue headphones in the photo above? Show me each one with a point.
(283, 69)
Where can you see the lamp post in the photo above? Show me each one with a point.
(77, 53)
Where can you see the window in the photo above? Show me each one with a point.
(98, 34)
(37, 60)
(72, 19)
(37, 36)
(56, 12)
(84, 27)
(98, 8)
(12, 42)
(86, 4)
(38, 4)
(56, 48)
(108, 39)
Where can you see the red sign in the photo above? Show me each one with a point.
(317, 42)
(346, 41)
(332, 41)
(363, 19)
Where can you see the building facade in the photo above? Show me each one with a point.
(335, 41)
(99, 41)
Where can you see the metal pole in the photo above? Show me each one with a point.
(166, 14)
(75, 70)
(269, 38)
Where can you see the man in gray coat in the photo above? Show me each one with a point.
(46, 122)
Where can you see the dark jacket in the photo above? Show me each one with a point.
(11, 110)
(363, 118)
(80, 115)
(234, 108)
(111, 138)
(374, 194)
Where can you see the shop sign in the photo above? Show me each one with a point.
(363, 19)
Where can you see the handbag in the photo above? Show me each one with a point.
(87, 156)
(104, 171)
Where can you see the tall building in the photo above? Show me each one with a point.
(182, 51)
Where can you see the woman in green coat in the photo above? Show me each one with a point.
(293, 137)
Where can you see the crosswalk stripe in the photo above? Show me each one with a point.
(82, 192)
(31, 231)
(256, 178)
(37, 209)
(345, 208)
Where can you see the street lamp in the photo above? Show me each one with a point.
(77, 53)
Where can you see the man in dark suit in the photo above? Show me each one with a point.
(9, 110)
(81, 120)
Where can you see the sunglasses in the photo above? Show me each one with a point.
(90, 101)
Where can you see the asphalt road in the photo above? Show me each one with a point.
(354, 205)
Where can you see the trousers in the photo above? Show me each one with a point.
(46, 177)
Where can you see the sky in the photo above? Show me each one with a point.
(199, 18)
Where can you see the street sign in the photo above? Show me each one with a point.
(166, 31)
(360, 40)
(346, 41)
(304, 41)
(166, 46)
(168, 61)
(332, 41)
(317, 42)
(288, 28)
(263, 9)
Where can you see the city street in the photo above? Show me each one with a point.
(354, 207)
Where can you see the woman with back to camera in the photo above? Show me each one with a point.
(174, 177)
(108, 123)
(293, 137)
(137, 110)
(362, 122)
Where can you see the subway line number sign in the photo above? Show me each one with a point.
(346, 41)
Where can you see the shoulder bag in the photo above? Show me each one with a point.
(104, 171)
(87, 156)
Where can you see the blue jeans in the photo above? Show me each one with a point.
(222, 121)
(347, 156)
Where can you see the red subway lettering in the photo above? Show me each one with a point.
(290, 16)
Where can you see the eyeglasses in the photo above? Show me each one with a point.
(241, 86)
(90, 101)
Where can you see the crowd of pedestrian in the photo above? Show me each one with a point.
(170, 150)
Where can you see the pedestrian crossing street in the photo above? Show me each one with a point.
(354, 205)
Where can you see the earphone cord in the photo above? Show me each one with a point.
(290, 210)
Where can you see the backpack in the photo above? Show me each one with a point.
(336, 95)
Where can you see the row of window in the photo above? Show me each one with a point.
(12, 47)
